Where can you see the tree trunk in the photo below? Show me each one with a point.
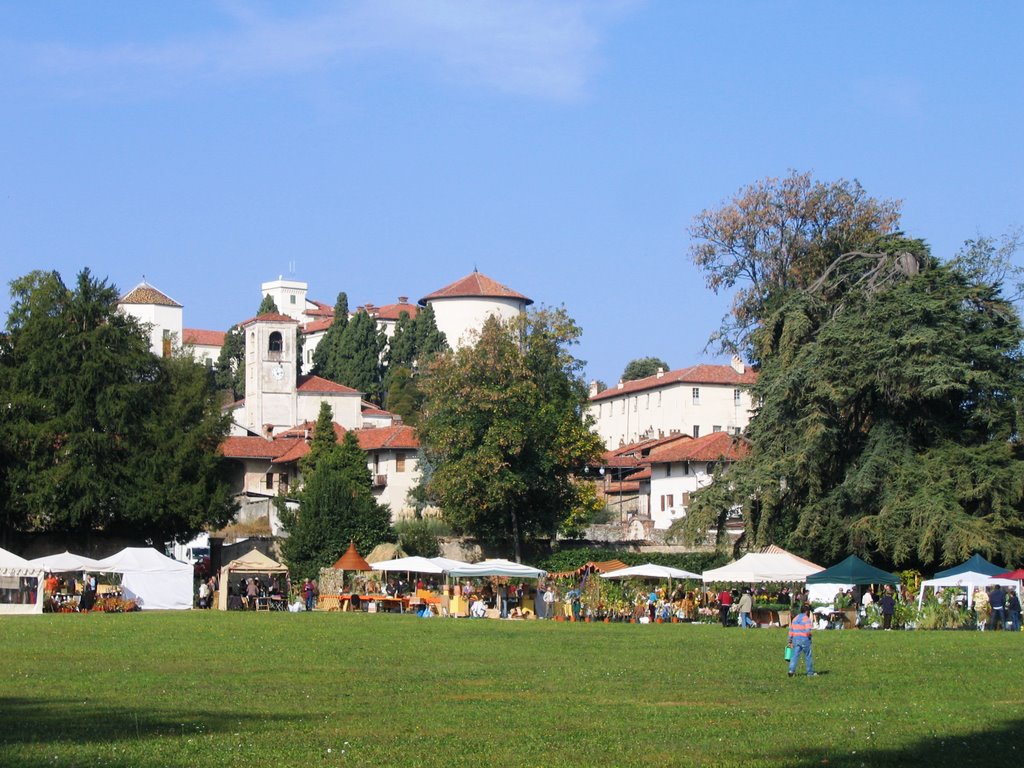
(515, 538)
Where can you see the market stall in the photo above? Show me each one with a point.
(763, 568)
(21, 585)
(253, 563)
(496, 567)
(150, 579)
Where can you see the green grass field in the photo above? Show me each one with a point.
(327, 689)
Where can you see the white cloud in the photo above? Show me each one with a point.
(531, 47)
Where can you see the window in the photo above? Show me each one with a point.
(737, 431)
(711, 468)
(623, 405)
(400, 462)
(269, 481)
(696, 395)
(736, 397)
(685, 499)
(292, 298)
(275, 342)
(696, 430)
(659, 398)
(282, 481)
(666, 502)
(716, 428)
(686, 467)
(668, 469)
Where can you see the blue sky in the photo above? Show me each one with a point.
(563, 148)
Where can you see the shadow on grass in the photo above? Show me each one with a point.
(59, 721)
(997, 745)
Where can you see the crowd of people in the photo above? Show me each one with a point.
(997, 608)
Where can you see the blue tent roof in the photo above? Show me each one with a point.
(977, 564)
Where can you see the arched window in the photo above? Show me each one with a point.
(275, 342)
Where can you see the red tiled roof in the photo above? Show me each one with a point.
(273, 317)
(195, 336)
(717, 445)
(144, 293)
(394, 311)
(634, 452)
(643, 474)
(315, 326)
(397, 436)
(318, 384)
(369, 409)
(291, 445)
(256, 447)
(475, 285)
(321, 310)
(696, 374)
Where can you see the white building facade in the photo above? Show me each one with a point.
(700, 400)
(160, 314)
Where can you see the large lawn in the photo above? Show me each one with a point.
(213, 689)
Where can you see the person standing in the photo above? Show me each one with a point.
(1013, 611)
(745, 606)
(888, 607)
(997, 603)
(307, 594)
(800, 640)
(724, 605)
(549, 602)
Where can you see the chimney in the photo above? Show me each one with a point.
(593, 387)
(305, 435)
(403, 299)
(268, 431)
(737, 365)
(620, 385)
(661, 372)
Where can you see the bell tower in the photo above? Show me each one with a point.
(270, 375)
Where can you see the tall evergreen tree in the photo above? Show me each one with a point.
(404, 397)
(336, 505)
(358, 363)
(402, 346)
(106, 435)
(890, 391)
(229, 372)
(429, 340)
(267, 305)
(327, 350)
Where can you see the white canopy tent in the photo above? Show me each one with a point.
(411, 564)
(447, 563)
(969, 580)
(651, 571)
(152, 580)
(13, 569)
(66, 562)
(497, 567)
(761, 568)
